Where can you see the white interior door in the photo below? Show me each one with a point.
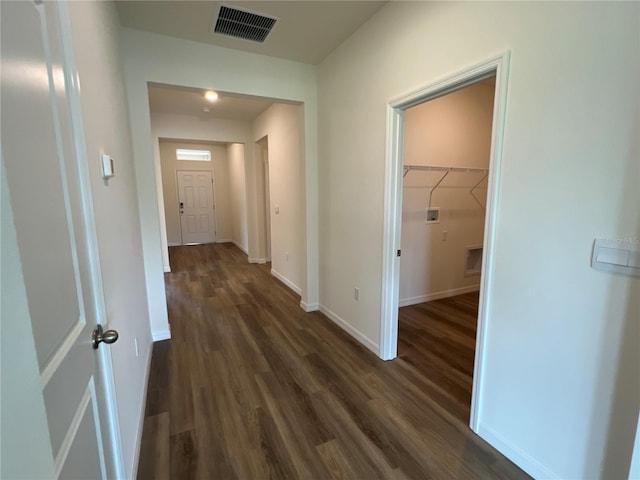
(195, 201)
(47, 180)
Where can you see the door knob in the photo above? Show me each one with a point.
(99, 335)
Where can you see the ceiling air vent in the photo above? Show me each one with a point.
(238, 23)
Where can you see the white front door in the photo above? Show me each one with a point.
(47, 179)
(195, 201)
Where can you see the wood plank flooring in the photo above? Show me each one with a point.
(438, 338)
(252, 387)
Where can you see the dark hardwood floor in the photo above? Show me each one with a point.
(252, 387)
(438, 339)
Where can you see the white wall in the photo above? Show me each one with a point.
(220, 174)
(187, 127)
(561, 390)
(238, 196)
(157, 58)
(449, 131)
(95, 31)
(283, 126)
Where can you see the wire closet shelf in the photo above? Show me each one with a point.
(447, 171)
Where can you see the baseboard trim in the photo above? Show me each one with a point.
(309, 307)
(287, 282)
(161, 335)
(518, 456)
(167, 269)
(355, 333)
(258, 260)
(174, 244)
(240, 247)
(143, 411)
(437, 295)
(224, 240)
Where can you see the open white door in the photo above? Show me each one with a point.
(195, 197)
(51, 201)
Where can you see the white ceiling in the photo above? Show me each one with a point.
(307, 30)
(191, 101)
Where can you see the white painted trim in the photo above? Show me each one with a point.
(344, 325)
(161, 335)
(61, 353)
(224, 240)
(258, 260)
(74, 425)
(143, 412)
(287, 282)
(167, 269)
(499, 65)
(98, 426)
(437, 295)
(174, 244)
(518, 456)
(309, 307)
(244, 249)
(72, 80)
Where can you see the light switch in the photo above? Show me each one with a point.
(613, 255)
(634, 259)
(620, 255)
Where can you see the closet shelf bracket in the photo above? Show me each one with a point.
(447, 171)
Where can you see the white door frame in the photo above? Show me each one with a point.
(498, 65)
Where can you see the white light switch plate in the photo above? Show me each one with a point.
(618, 255)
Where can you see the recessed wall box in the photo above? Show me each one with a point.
(618, 255)
(433, 215)
(107, 166)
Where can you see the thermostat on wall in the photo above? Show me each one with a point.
(107, 167)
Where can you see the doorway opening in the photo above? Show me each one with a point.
(447, 142)
(194, 179)
(455, 193)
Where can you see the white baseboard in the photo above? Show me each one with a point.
(287, 282)
(167, 269)
(161, 335)
(244, 249)
(224, 240)
(173, 244)
(258, 260)
(437, 295)
(138, 444)
(359, 336)
(309, 307)
(515, 454)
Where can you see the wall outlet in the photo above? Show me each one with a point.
(135, 345)
(356, 294)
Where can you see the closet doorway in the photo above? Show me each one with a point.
(447, 147)
(438, 243)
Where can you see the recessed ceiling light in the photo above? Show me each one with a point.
(211, 96)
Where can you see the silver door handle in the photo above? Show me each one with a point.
(98, 335)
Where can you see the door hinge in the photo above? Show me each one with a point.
(399, 253)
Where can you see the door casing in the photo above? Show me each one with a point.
(498, 66)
